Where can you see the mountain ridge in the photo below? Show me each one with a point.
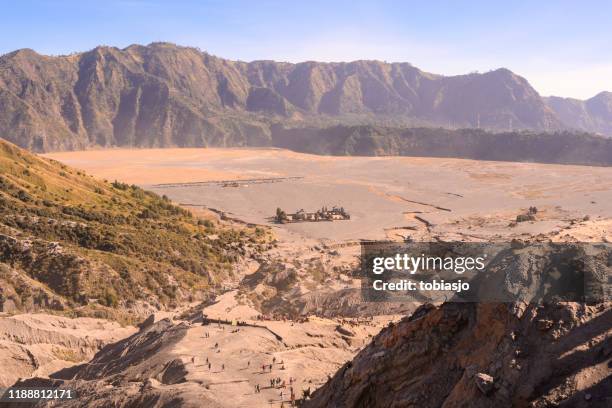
(166, 95)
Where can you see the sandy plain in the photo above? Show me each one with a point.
(386, 196)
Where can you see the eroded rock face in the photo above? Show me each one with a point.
(525, 353)
(40, 344)
(169, 363)
(469, 355)
(594, 114)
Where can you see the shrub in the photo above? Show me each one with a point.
(120, 186)
(109, 299)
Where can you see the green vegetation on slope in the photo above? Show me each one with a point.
(563, 147)
(68, 241)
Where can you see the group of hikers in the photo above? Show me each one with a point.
(274, 382)
(278, 383)
(364, 321)
(280, 317)
(220, 322)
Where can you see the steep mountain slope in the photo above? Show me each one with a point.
(526, 353)
(482, 355)
(71, 243)
(166, 95)
(592, 115)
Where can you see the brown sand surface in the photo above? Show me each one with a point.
(382, 194)
(307, 352)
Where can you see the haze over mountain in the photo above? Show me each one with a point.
(167, 95)
(594, 114)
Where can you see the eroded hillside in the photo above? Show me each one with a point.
(71, 243)
(526, 353)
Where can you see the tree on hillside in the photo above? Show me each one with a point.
(281, 216)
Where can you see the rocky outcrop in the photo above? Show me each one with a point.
(525, 353)
(480, 355)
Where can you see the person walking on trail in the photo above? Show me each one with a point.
(222, 367)
(248, 363)
(209, 365)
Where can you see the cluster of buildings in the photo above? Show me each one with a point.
(324, 214)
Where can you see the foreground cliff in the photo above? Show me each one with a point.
(526, 353)
(482, 355)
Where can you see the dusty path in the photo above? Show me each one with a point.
(240, 356)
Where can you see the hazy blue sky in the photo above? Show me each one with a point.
(562, 47)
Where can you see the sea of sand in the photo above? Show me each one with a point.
(385, 196)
